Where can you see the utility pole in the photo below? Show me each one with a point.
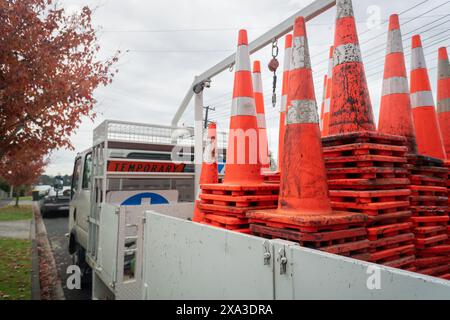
(207, 113)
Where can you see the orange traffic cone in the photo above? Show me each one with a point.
(326, 113)
(209, 172)
(428, 133)
(304, 198)
(225, 204)
(322, 107)
(284, 89)
(261, 117)
(443, 96)
(351, 109)
(242, 164)
(395, 111)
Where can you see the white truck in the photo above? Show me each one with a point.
(133, 166)
(130, 224)
(131, 216)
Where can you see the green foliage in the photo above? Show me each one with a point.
(15, 269)
(13, 213)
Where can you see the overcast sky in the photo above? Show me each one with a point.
(168, 42)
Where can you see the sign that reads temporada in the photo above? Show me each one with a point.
(137, 166)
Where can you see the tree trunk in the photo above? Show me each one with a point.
(17, 199)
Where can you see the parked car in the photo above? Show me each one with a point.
(43, 189)
(57, 200)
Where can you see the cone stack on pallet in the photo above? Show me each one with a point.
(367, 170)
(429, 197)
(304, 211)
(429, 206)
(443, 109)
(224, 205)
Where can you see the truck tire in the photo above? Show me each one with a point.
(79, 259)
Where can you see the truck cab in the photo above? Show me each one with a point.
(129, 164)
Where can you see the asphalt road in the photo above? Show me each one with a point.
(56, 225)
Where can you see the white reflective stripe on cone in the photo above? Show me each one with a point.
(287, 59)
(257, 83)
(261, 118)
(283, 103)
(395, 44)
(344, 9)
(330, 69)
(417, 59)
(327, 105)
(443, 69)
(302, 111)
(443, 105)
(395, 85)
(243, 106)
(243, 59)
(346, 53)
(300, 54)
(422, 99)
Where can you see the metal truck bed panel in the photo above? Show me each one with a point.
(186, 260)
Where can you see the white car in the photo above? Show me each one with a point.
(43, 189)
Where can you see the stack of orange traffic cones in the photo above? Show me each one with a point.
(224, 205)
(263, 144)
(329, 88)
(209, 172)
(429, 198)
(304, 211)
(429, 206)
(367, 170)
(443, 109)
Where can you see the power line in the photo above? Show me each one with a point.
(381, 34)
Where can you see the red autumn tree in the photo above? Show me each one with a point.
(22, 167)
(48, 72)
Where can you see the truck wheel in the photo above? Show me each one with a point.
(79, 259)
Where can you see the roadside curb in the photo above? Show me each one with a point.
(50, 283)
(35, 284)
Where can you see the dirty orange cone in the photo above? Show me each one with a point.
(326, 113)
(225, 204)
(351, 108)
(284, 89)
(443, 96)
(261, 117)
(395, 111)
(428, 133)
(322, 108)
(209, 172)
(304, 202)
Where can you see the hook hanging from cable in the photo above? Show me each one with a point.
(273, 67)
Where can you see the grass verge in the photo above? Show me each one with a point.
(12, 213)
(15, 269)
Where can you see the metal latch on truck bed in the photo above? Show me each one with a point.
(282, 259)
(267, 255)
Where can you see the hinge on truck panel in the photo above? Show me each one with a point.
(267, 255)
(282, 259)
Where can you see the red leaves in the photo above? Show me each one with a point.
(48, 72)
(23, 166)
